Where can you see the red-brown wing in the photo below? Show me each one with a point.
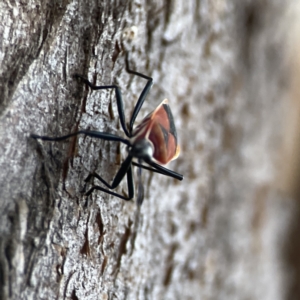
(160, 129)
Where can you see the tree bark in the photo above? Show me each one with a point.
(229, 230)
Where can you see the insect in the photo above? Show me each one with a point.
(153, 141)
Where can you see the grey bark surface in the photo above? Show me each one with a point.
(226, 231)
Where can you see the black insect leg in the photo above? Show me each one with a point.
(142, 96)
(120, 104)
(124, 169)
(140, 187)
(96, 134)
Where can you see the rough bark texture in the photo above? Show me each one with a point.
(226, 231)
